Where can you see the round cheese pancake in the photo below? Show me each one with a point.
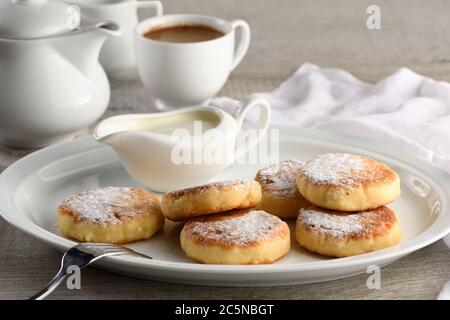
(340, 234)
(110, 215)
(346, 182)
(280, 195)
(211, 198)
(240, 237)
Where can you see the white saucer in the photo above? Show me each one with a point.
(31, 189)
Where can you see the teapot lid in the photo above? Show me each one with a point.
(28, 19)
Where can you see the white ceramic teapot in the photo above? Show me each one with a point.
(117, 55)
(51, 83)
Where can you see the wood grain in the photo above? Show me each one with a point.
(286, 34)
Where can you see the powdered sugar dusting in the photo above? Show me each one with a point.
(280, 178)
(240, 229)
(336, 225)
(227, 183)
(213, 185)
(109, 205)
(341, 169)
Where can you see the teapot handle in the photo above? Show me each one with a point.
(150, 4)
(261, 125)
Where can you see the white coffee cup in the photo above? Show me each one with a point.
(117, 56)
(188, 74)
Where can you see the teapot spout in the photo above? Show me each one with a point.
(109, 28)
(84, 49)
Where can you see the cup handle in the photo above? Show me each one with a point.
(244, 41)
(261, 125)
(150, 4)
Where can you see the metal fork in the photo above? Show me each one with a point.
(81, 256)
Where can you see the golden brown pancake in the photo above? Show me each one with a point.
(347, 182)
(280, 195)
(210, 198)
(110, 215)
(342, 234)
(239, 237)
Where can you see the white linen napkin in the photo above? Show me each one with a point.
(404, 109)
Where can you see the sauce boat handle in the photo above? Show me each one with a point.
(252, 135)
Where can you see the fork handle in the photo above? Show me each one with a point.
(51, 286)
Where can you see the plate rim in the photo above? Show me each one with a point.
(421, 240)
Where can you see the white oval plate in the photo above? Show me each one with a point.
(32, 188)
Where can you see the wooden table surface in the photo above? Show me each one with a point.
(286, 34)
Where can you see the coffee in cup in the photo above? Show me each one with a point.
(184, 34)
(184, 59)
